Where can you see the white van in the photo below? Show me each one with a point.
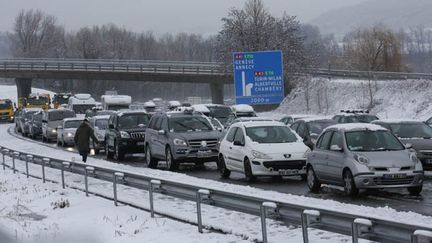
(116, 102)
(80, 103)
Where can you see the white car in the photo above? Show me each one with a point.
(262, 148)
(66, 132)
(100, 126)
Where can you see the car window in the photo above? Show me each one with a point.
(302, 130)
(429, 122)
(231, 133)
(325, 140)
(336, 139)
(372, 141)
(239, 136)
(158, 124)
(271, 134)
(294, 126)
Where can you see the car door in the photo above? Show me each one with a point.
(227, 146)
(159, 140)
(110, 134)
(320, 155)
(237, 151)
(336, 158)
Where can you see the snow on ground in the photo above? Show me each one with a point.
(380, 212)
(393, 99)
(10, 92)
(31, 211)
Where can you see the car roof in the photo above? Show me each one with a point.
(73, 119)
(398, 121)
(317, 118)
(101, 117)
(356, 127)
(32, 109)
(126, 112)
(259, 123)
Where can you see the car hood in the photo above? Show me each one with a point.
(418, 143)
(199, 135)
(71, 130)
(280, 148)
(54, 124)
(393, 159)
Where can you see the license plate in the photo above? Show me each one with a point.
(288, 172)
(140, 143)
(204, 154)
(395, 176)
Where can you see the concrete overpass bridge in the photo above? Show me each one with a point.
(24, 70)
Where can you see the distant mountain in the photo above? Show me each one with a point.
(397, 14)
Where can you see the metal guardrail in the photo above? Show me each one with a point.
(345, 223)
(179, 67)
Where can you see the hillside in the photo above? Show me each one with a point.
(397, 14)
(394, 99)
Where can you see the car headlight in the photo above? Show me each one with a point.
(361, 159)
(414, 158)
(124, 134)
(54, 131)
(69, 134)
(306, 153)
(260, 155)
(179, 142)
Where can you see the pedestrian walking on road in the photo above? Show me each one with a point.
(82, 139)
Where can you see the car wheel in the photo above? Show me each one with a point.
(119, 155)
(415, 191)
(248, 171)
(109, 154)
(172, 165)
(223, 170)
(349, 184)
(312, 180)
(150, 161)
(96, 151)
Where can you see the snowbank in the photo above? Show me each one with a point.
(393, 99)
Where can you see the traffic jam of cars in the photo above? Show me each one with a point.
(353, 150)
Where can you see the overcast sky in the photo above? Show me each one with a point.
(160, 16)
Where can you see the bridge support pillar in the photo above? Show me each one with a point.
(23, 86)
(217, 90)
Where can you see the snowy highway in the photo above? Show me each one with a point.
(397, 199)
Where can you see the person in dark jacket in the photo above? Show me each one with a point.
(82, 139)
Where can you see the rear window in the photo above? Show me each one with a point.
(59, 115)
(271, 134)
(188, 124)
(131, 121)
(72, 124)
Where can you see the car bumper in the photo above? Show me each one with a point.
(69, 140)
(99, 144)
(426, 162)
(389, 180)
(6, 118)
(51, 135)
(185, 154)
(278, 167)
(131, 146)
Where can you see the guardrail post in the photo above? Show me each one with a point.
(154, 184)
(421, 234)
(67, 165)
(360, 227)
(113, 67)
(29, 158)
(5, 152)
(14, 156)
(88, 169)
(309, 217)
(44, 161)
(120, 176)
(201, 194)
(264, 207)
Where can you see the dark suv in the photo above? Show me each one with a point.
(125, 134)
(179, 137)
(310, 128)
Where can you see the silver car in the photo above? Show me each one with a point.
(66, 131)
(360, 156)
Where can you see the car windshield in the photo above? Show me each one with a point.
(101, 124)
(117, 107)
(37, 117)
(5, 105)
(366, 118)
(188, 124)
(29, 114)
(81, 109)
(131, 121)
(372, 141)
(38, 101)
(411, 130)
(72, 124)
(271, 134)
(61, 99)
(316, 127)
(59, 115)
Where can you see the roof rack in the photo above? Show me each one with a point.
(365, 111)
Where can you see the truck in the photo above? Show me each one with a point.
(80, 103)
(6, 110)
(61, 99)
(116, 102)
(36, 100)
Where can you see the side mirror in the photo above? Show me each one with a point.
(238, 143)
(336, 148)
(111, 126)
(161, 132)
(408, 146)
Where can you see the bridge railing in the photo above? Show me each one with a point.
(358, 226)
